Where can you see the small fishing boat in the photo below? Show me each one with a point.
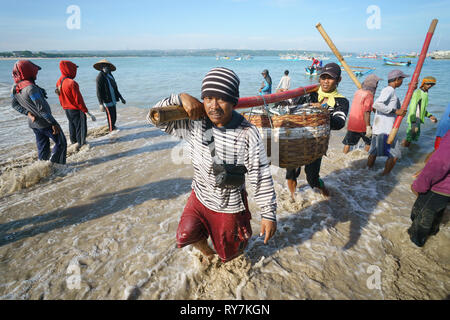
(367, 56)
(407, 57)
(309, 73)
(396, 63)
(360, 71)
(288, 57)
(440, 54)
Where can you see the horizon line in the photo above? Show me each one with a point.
(187, 49)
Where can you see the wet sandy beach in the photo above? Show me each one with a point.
(103, 227)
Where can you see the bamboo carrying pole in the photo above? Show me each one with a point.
(338, 55)
(414, 80)
(356, 67)
(172, 113)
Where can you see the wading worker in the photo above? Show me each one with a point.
(327, 97)
(224, 149)
(432, 188)
(72, 102)
(266, 86)
(30, 100)
(107, 92)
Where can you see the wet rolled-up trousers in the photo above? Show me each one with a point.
(426, 215)
(77, 126)
(59, 152)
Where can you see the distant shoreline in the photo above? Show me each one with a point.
(46, 58)
(27, 54)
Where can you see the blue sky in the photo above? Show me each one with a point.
(225, 24)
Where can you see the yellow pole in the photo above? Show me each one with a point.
(338, 55)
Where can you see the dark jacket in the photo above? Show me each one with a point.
(103, 92)
(338, 114)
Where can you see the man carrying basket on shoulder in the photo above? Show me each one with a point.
(326, 97)
(225, 150)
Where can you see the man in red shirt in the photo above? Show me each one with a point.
(72, 102)
(316, 63)
(358, 126)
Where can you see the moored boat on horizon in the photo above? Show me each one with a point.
(440, 54)
(396, 63)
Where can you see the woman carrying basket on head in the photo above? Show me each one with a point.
(328, 97)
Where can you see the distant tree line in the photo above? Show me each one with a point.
(154, 53)
(39, 54)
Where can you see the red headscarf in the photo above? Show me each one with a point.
(24, 74)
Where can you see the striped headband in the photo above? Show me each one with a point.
(221, 83)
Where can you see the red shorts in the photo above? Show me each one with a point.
(437, 142)
(229, 232)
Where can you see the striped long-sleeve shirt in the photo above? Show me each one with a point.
(237, 143)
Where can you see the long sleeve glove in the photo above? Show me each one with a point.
(93, 118)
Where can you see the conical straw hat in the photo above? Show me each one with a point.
(104, 61)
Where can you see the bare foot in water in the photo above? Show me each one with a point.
(208, 261)
(292, 198)
(208, 254)
(324, 191)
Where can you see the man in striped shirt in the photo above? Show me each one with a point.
(221, 140)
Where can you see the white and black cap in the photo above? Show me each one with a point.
(221, 83)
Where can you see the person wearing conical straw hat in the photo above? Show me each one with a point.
(107, 91)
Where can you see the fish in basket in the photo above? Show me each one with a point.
(295, 138)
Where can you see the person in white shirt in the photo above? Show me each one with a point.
(388, 107)
(285, 82)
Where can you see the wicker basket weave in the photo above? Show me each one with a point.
(300, 138)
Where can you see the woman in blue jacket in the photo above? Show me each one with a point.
(266, 87)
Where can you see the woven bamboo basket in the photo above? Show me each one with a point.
(298, 138)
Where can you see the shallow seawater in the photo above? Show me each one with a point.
(104, 225)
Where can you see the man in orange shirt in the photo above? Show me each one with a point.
(358, 126)
(72, 102)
